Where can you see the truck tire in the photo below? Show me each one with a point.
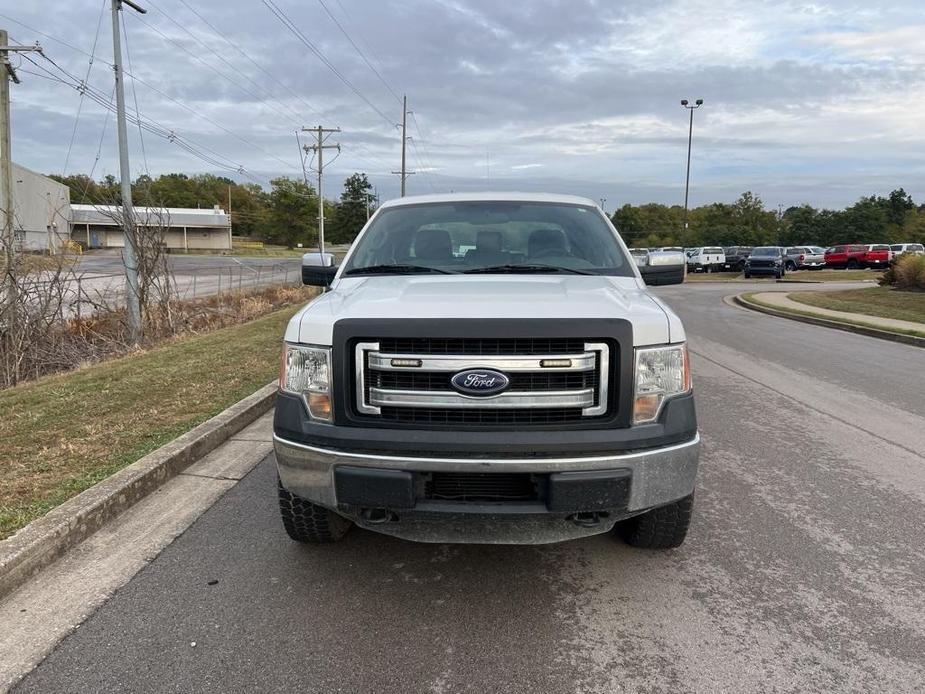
(308, 522)
(661, 528)
(853, 264)
(791, 266)
(748, 275)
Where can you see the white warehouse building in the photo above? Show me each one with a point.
(97, 226)
(41, 211)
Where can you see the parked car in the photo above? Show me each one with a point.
(670, 249)
(707, 259)
(850, 256)
(878, 255)
(428, 397)
(766, 260)
(736, 257)
(897, 249)
(804, 258)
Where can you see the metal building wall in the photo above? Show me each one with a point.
(42, 211)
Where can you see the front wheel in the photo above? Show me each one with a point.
(308, 522)
(661, 528)
(748, 275)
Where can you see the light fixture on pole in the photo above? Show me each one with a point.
(690, 134)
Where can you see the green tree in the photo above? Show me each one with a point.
(899, 204)
(350, 213)
(628, 222)
(866, 221)
(293, 213)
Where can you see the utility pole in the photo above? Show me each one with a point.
(318, 149)
(7, 73)
(129, 254)
(690, 136)
(404, 173)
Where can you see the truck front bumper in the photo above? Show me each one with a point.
(581, 495)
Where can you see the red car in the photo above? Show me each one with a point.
(878, 255)
(857, 255)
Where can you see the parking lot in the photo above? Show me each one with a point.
(803, 570)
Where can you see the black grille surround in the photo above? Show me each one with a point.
(481, 346)
(490, 337)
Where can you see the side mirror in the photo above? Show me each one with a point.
(663, 267)
(318, 269)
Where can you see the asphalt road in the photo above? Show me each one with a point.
(99, 279)
(804, 570)
(110, 263)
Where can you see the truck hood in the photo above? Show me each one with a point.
(480, 296)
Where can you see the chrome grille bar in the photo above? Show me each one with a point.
(380, 397)
(460, 362)
(591, 401)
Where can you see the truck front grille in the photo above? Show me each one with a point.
(551, 381)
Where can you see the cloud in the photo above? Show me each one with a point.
(802, 98)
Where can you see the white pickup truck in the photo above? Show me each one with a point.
(707, 259)
(487, 368)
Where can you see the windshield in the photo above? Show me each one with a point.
(766, 250)
(489, 237)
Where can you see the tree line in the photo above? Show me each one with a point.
(873, 219)
(287, 214)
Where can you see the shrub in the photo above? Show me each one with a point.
(907, 274)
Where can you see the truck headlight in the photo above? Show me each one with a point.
(661, 372)
(306, 371)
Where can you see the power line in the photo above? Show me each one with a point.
(258, 98)
(150, 86)
(240, 50)
(427, 160)
(202, 152)
(96, 38)
(358, 50)
(289, 24)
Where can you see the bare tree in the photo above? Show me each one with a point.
(34, 298)
(157, 289)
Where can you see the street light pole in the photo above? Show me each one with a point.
(690, 137)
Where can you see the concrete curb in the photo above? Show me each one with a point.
(45, 539)
(827, 323)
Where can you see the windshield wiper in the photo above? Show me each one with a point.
(492, 269)
(395, 270)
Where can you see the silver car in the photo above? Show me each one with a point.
(804, 258)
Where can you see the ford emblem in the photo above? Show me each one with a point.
(480, 382)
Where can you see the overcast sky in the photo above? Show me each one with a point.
(817, 102)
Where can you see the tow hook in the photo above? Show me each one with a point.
(376, 516)
(586, 519)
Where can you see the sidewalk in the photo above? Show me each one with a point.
(45, 609)
(783, 301)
